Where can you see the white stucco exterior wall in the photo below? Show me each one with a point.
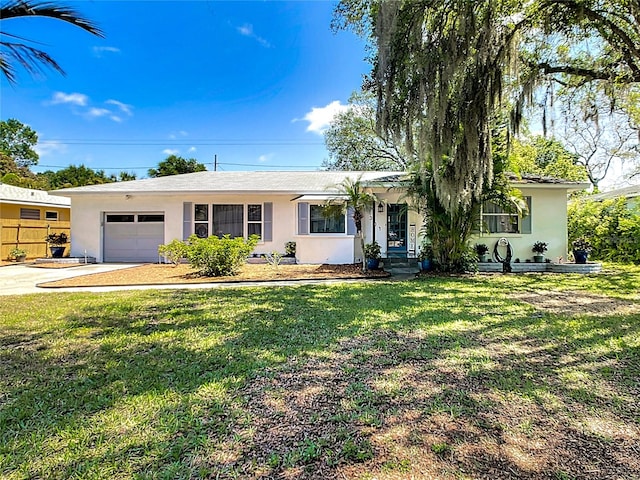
(548, 224)
(548, 215)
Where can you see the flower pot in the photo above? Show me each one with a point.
(373, 263)
(482, 258)
(538, 258)
(21, 258)
(57, 252)
(580, 256)
(425, 265)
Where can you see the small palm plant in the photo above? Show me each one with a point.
(358, 200)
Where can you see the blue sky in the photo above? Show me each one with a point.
(254, 83)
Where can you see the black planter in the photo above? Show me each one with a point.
(580, 256)
(57, 252)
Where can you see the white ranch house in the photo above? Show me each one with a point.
(126, 221)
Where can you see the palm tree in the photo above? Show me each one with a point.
(17, 49)
(358, 201)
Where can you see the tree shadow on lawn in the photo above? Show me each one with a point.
(302, 382)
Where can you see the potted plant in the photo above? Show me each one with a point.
(481, 250)
(18, 254)
(372, 254)
(581, 250)
(539, 248)
(56, 243)
(425, 257)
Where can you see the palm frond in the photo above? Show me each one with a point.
(18, 52)
(27, 8)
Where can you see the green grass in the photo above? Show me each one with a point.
(184, 384)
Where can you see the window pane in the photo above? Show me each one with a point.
(151, 218)
(201, 213)
(501, 223)
(202, 230)
(30, 213)
(228, 220)
(120, 218)
(254, 213)
(51, 216)
(254, 229)
(321, 224)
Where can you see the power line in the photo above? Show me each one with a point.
(181, 142)
(219, 166)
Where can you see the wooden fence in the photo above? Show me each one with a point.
(29, 235)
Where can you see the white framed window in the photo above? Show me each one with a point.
(254, 219)
(201, 219)
(495, 219)
(227, 219)
(319, 223)
(51, 216)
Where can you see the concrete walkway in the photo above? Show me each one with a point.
(23, 279)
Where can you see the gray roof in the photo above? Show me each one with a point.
(317, 182)
(297, 183)
(29, 196)
(627, 192)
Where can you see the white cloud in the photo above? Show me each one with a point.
(265, 158)
(115, 118)
(79, 99)
(174, 135)
(246, 30)
(192, 149)
(49, 147)
(98, 51)
(98, 112)
(170, 151)
(320, 118)
(123, 107)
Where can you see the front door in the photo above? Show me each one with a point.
(397, 229)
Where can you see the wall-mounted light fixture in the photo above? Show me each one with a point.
(380, 207)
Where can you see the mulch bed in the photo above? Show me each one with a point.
(154, 274)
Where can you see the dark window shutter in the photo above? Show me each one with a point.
(267, 234)
(526, 221)
(351, 224)
(187, 209)
(303, 218)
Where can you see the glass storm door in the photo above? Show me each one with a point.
(396, 228)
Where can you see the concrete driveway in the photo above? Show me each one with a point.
(21, 279)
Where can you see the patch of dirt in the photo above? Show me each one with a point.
(154, 274)
(572, 302)
(382, 406)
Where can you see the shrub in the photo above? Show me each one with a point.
(290, 249)
(610, 226)
(174, 251)
(217, 257)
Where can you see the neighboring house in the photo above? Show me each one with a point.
(126, 221)
(27, 216)
(632, 194)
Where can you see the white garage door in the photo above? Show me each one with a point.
(133, 237)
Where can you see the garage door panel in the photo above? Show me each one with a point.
(133, 241)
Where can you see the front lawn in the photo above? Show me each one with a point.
(433, 378)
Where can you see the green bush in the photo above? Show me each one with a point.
(174, 251)
(217, 257)
(611, 227)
